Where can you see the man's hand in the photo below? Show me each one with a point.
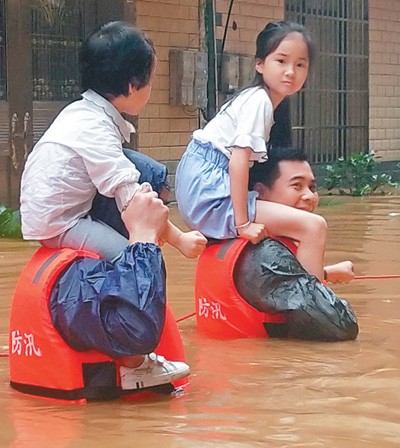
(253, 232)
(145, 216)
(340, 272)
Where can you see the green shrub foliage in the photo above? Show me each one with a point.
(10, 223)
(354, 176)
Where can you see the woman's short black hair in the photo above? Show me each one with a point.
(268, 172)
(113, 56)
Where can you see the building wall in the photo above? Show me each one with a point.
(384, 78)
(165, 130)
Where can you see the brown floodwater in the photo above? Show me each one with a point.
(253, 392)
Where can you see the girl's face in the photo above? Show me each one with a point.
(285, 70)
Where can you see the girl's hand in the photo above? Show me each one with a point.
(253, 232)
(340, 272)
(191, 244)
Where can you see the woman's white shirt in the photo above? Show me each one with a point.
(79, 154)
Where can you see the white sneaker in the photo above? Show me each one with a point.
(154, 370)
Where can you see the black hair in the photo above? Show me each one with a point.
(268, 172)
(281, 131)
(113, 56)
(269, 39)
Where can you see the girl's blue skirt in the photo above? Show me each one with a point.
(202, 189)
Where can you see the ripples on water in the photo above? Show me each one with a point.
(248, 393)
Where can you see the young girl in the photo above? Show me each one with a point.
(212, 176)
(81, 153)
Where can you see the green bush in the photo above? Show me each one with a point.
(354, 176)
(10, 223)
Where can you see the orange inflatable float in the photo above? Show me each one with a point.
(220, 311)
(42, 364)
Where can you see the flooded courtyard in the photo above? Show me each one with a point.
(252, 392)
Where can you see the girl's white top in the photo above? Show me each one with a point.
(244, 122)
(79, 154)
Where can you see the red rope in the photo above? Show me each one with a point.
(186, 317)
(368, 277)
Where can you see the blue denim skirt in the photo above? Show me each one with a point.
(203, 192)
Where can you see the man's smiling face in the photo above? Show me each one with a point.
(295, 186)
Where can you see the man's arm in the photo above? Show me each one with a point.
(270, 278)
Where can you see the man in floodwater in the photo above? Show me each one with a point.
(268, 275)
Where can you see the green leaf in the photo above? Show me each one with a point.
(10, 223)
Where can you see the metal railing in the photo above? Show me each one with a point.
(57, 33)
(330, 114)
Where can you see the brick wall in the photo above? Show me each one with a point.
(384, 78)
(164, 130)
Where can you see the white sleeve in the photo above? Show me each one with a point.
(112, 173)
(124, 194)
(254, 121)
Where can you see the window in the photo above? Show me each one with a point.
(57, 34)
(330, 114)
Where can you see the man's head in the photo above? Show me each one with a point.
(286, 178)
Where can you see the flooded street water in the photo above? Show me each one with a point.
(253, 392)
